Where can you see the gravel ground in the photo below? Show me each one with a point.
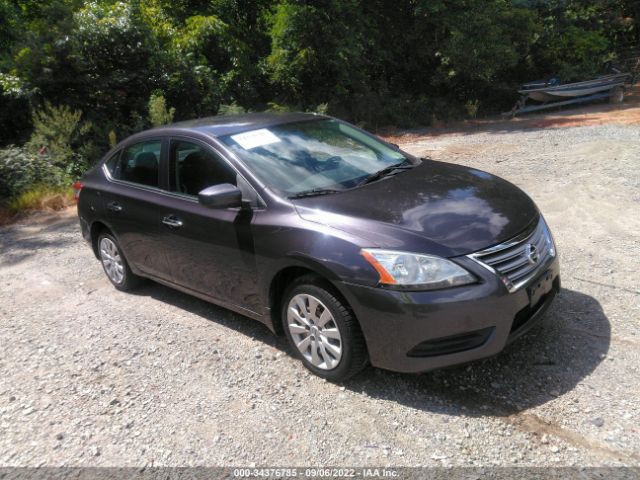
(90, 376)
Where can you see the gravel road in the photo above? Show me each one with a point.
(90, 376)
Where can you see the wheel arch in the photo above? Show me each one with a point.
(96, 228)
(286, 274)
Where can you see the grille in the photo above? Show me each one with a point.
(519, 259)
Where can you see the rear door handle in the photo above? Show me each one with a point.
(172, 222)
(114, 207)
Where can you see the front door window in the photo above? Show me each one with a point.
(197, 168)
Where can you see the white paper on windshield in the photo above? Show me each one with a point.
(255, 138)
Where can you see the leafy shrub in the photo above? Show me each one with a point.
(11, 85)
(280, 108)
(113, 141)
(472, 107)
(231, 109)
(58, 134)
(158, 113)
(20, 169)
(322, 109)
(54, 128)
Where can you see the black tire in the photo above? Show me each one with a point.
(129, 279)
(354, 351)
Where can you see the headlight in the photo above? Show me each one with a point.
(549, 240)
(410, 269)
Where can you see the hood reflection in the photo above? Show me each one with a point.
(458, 208)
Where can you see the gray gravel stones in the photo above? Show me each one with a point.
(90, 376)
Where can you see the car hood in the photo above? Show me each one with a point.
(436, 207)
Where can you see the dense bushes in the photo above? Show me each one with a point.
(375, 62)
(20, 169)
(76, 75)
(57, 152)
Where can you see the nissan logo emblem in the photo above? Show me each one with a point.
(531, 252)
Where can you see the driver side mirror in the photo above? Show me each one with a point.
(224, 195)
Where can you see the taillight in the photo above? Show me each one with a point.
(76, 190)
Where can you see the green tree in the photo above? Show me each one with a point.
(481, 49)
(579, 36)
(118, 64)
(376, 62)
(318, 51)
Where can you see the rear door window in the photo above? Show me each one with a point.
(139, 163)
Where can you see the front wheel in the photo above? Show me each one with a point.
(114, 263)
(322, 330)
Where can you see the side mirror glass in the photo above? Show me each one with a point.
(224, 195)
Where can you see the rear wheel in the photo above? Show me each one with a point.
(322, 330)
(114, 263)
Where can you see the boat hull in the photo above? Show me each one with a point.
(577, 89)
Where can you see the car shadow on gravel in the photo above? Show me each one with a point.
(550, 360)
(222, 316)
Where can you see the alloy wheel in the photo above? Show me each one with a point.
(111, 260)
(314, 331)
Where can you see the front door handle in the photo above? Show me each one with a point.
(172, 222)
(114, 207)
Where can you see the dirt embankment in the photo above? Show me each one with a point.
(599, 113)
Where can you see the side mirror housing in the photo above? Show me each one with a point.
(224, 195)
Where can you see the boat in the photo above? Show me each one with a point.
(553, 93)
(553, 90)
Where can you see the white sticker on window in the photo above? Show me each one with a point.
(255, 138)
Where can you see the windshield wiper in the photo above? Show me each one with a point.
(314, 192)
(404, 165)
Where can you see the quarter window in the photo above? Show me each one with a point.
(113, 163)
(138, 164)
(197, 168)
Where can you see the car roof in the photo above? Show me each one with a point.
(230, 124)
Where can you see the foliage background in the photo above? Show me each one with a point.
(75, 75)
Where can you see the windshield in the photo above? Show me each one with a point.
(312, 155)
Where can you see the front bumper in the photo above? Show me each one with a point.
(418, 331)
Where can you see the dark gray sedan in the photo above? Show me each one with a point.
(355, 250)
